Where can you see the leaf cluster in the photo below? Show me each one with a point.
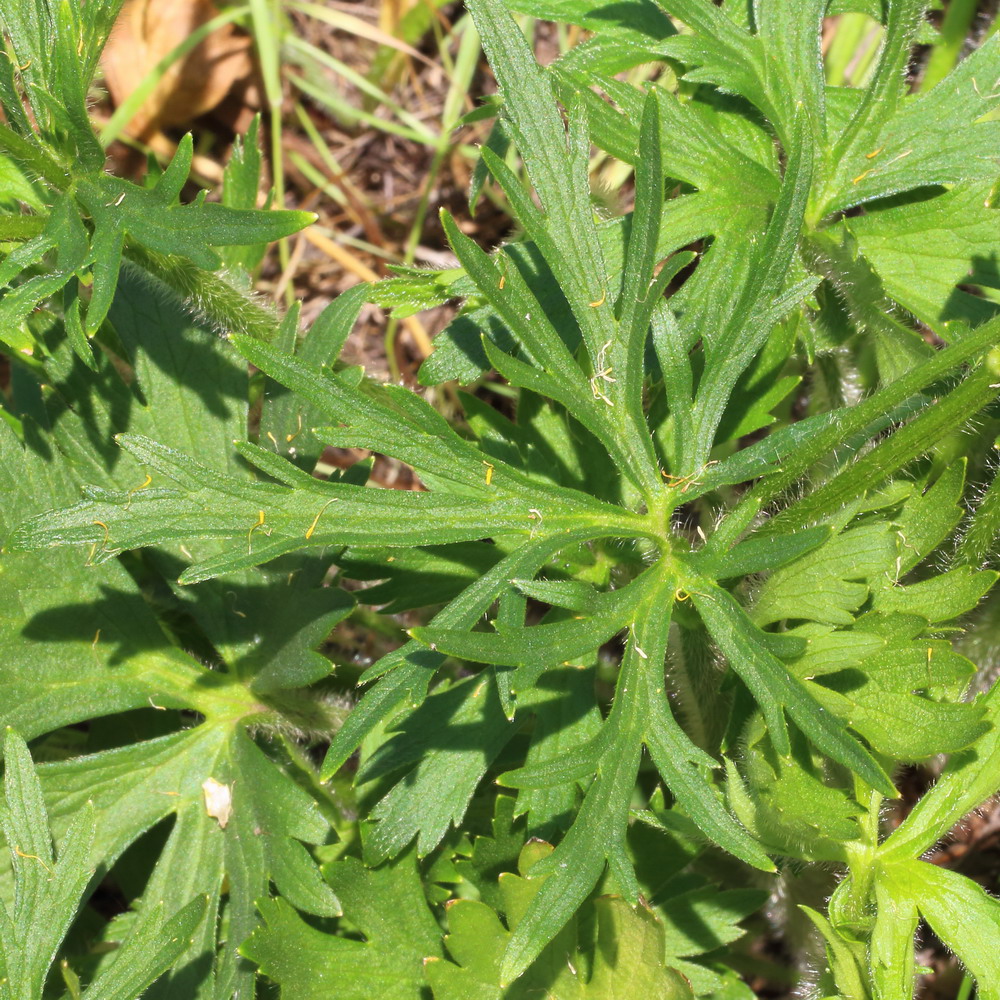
(694, 623)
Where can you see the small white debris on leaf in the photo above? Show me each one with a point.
(218, 800)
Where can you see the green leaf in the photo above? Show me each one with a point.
(969, 778)
(730, 350)
(891, 958)
(698, 921)
(120, 210)
(789, 804)
(977, 542)
(442, 769)
(516, 305)
(923, 248)
(643, 18)
(846, 973)
(639, 294)
(939, 599)
(628, 953)
(386, 904)
(879, 702)
(928, 519)
(790, 35)
(494, 854)
(277, 814)
(958, 911)
(47, 893)
(205, 505)
(721, 52)
(153, 946)
(579, 860)
(870, 471)
(394, 421)
(557, 168)
(557, 641)
(240, 187)
(761, 554)
(132, 664)
(639, 715)
(237, 816)
(65, 238)
(637, 949)
(790, 452)
(288, 421)
(942, 136)
(411, 667)
(78, 641)
(829, 583)
(776, 691)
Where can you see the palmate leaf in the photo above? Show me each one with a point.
(640, 715)
(969, 778)
(939, 137)
(775, 690)
(245, 826)
(134, 789)
(864, 146)
(590, 527)
(864, 670)
(292, 518)
(46, 893)
(556, 164)
(121, 212)
(442, 765)
(78, 641)
(785, 456)
(778, 68)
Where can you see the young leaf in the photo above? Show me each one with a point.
(969, 779)
(628, 954)
(958, 911)
(386, 904)
(557, 170)
(152, 947)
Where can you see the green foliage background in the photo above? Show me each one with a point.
(691, 603)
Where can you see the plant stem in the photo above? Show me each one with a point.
(266, 17)
(21, 227)
(37, 161)
(954, 31)
(207, 294)
(977, 544)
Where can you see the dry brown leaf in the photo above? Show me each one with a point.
(146, 31)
